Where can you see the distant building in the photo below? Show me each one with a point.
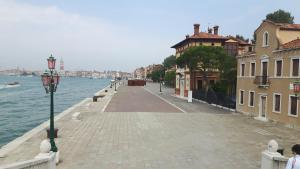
(139, 73)
(62, 67)
(151, 68)
(184, 80)
(266, 76)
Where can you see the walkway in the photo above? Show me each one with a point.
(206, 139)
(137, 99)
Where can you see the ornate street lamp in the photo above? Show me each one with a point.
(50, 82)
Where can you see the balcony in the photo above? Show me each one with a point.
(262, 81)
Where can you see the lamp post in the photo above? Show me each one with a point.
(160, 79)
(50, 82)
(115, 83)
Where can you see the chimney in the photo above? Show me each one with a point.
(187, 36)
(196, 29)
(209, 30)
(216, 29)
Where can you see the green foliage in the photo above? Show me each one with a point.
(169, 62)
(280, 16)
(207, 58)
(170, 78)
(228, 68)
(201, 58)
(155, 75)
(220, 86)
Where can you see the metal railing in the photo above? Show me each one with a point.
(217, 98)
(262, 81)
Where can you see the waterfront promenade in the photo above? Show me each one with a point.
(121, 131)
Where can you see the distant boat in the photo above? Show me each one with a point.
(13, 84)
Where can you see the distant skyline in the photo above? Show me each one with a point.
(117, 35)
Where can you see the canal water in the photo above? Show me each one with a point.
(25, 106)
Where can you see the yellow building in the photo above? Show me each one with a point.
(266, 77)
(185, 81)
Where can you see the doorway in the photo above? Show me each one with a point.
(263, 107)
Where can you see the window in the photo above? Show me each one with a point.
(293, 107)
(251, 99)
(266, 39)
(295, 67)
(278, 68)
(212, 44)
(252, 69)
(242, 69)
(276, 102)
(241, 97)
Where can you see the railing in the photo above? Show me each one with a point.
(262, 81)
(213, 97)
(43, 163)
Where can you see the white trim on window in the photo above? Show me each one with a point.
(266, 43)
(275, 102)
(250, 69)
(291, 66)
(289, 111)
(275, 67)
(249, 99)
(240, 97)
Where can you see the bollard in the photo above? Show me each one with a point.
(190, 96)
(270, 157)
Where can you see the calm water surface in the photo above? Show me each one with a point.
(26, 106)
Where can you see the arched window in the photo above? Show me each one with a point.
(266, 39)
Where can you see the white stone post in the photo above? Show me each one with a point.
(190, 96)
(268, 156)
(45, 153)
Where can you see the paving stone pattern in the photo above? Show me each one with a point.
(205, 137)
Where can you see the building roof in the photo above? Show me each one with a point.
(201, 36)
(282, 26)
(240, 41)
(290, 27)
(292, 44)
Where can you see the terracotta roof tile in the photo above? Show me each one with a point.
(292, 44)
(201, 35)
(290, 26)
(204, 35)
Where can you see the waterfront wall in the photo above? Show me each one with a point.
(44, 163)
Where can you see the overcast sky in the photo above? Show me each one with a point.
(117, 35)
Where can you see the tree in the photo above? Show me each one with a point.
(169, 62)
(155, 75)
(228, 71)
(203, 59)
(170, 78)
(280, 16)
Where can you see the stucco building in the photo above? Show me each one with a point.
(184, 80)
(266, 76)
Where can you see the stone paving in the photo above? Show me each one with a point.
(136, 99)
(205, 137)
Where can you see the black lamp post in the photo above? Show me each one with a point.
(160, 79)
(50, 82)
(115, 83)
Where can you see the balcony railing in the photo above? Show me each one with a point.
(262, 81)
